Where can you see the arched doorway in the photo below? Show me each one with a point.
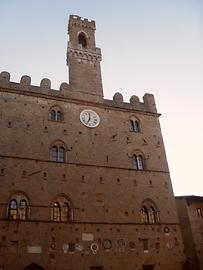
(33, 266)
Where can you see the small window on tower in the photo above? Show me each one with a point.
(82, 39)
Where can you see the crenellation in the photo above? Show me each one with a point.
(118, 99)
(65, 91)
(45, 84)
(134, 100)
(25, 81)
(4, 78)
(82, 22)
(64, 87)
(149, 101)
(4, 75)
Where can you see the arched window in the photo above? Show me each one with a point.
(137, 161)
(62, 209)
(56, 212)
(23, 210)
(18, 208)
(149, 213)
(13, 210)
(57, 152)
(134, 126)
(56, 114)
(82, 39)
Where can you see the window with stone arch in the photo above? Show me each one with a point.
(138, 161)
(62, 209)
(58, 151)
(56, 114)
(18, 207)
(149, 212)
(82, 39)
(134, 125)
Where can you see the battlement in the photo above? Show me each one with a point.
(65, 92)
(75, 20)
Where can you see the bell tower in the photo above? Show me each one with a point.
(83, 58)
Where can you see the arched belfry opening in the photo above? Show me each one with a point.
(82, 39)
(33, 266)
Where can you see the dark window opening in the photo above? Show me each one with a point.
(82, 40)
(134, 126)
(56, 115)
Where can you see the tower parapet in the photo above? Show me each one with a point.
(75, 20)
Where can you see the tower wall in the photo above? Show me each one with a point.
(84, 62)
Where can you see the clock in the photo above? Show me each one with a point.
(89, 118)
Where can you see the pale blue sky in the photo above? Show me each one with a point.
(147, 46)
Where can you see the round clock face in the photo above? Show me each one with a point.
(89, 118)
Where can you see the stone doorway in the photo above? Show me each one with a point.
(33, 266)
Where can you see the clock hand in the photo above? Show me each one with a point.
(89, 118)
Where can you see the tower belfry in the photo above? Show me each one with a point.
(83, 58)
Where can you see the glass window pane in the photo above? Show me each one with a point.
(54, 153)
(65, 212)
(151, 215)
(139, 162)
(13, 210)
(22, 210)
(59, 116)
(61, 154)
(136, 126)
(53, 115)
(134, 161)
(56, 212)
(131, 125)
(144, 215)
